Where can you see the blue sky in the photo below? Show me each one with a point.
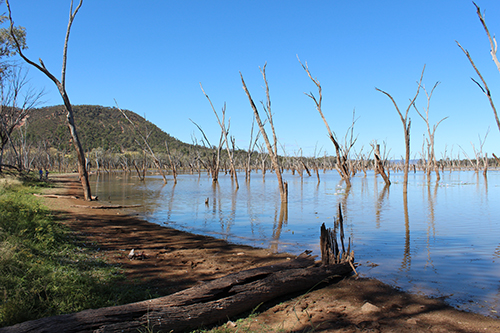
(152, 55)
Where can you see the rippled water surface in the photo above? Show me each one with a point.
(443, 239)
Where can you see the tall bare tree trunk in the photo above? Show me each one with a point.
(224, 133)
(273, 153)
(406, 126)
(343, 166)
(61, 86)
(432, 163)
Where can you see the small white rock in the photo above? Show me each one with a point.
(369, 308)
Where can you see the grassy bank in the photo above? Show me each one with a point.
(44, 269)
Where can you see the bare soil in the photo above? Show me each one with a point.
(169, 260)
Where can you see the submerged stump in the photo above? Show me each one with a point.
(331, 254)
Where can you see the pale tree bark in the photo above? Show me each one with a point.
(431, 153)
(213, 165)
(272, 149)
(406, 127)
(251, 149)
(342, 151)
(484, 87)
(225, 131)
(379, 163)
(172, 164)
(493, 44)
(144, 145)
(61, 86)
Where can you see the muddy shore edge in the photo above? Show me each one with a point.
(173, 260)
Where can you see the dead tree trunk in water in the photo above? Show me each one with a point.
(224, 133)
(406, 127)
(431, 155)
(172, 164)
(213, 164)
(342, 152)
(144, 145)
(61, 86)
(251, 148)
(272, 149)
(379, 164)
(331, 254)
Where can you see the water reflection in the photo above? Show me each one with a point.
(439, 238)
(406, 263)
(278, 226)
(380, 202)
(431, 229)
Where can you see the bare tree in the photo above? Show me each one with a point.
(251, 149)
(61, 86)
(493, 44)
(480, 156)
(431, 156)
(213, 163)
(17, 100)
(406, 127)
(172, 164)
(272, 149)
(146, 148)
(342, 151)
(225, 131)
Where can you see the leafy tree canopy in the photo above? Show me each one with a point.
(7, 45)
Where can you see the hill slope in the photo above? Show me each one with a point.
(98, 127)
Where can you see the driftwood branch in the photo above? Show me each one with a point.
(202, 305)
(107, 206)
(55, 196)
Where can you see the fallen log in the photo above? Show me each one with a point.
(55, 196)
(107, 206)
(204, 304)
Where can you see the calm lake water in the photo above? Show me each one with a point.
(445, 242)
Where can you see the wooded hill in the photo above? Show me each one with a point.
(98, 127)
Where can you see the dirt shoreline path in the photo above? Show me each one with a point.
(171, 260)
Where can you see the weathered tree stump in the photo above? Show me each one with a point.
(331, 254)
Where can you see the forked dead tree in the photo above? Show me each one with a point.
(225, 131)
(61, 86)
(272, 149)
(143, 143)
(493, 44)
(342, 151)
(431, 156)
(213, 163)
(406, 121)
